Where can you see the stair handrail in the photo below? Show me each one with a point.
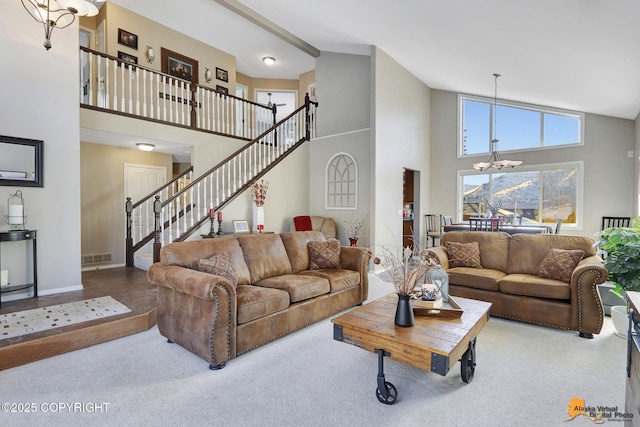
(178, 211)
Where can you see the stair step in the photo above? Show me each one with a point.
(143, 261)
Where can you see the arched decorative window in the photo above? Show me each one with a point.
(342, 182)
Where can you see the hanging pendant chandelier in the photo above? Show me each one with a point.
(57, 14)
(495, 160)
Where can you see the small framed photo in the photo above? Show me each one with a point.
(222, 89)
(128, 39)
(222, 74)
(127, 59)
(240, 226)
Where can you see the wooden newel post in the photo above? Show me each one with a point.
(128, 207)
(307, 117)
(275, 130)
(157, 208)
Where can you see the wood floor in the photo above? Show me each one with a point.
(128, 285)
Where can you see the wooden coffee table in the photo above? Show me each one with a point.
(435, 343)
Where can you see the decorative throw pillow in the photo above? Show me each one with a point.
(324, 254)
(559, 264)
(220, 265)
(464, 254)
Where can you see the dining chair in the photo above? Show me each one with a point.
(433, 227)
(484, 224)
(558, 224)
(615, 221)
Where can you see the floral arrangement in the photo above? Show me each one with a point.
(259, 192)
(404, 269)
(353, 224)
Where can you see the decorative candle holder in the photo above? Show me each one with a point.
(219, 227)
(15, 212)
(211, 230)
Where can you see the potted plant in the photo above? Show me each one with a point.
(621, 252)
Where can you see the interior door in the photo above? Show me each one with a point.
(140, 181)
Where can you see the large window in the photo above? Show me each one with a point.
(518, 126)
(539, 194)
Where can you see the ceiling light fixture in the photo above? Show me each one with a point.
(269, 60)
(144, 146)
(495, 160)
(57, 14)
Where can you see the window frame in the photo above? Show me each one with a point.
(521, 105)
(579, 164)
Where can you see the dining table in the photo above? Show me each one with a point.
(507, 228)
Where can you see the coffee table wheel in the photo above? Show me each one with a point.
(468, 362)
(389, 396)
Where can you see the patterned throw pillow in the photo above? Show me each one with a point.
(464, 254)
(324, 254)
(559, 264)
(220, 265)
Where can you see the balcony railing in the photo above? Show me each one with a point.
(112, 84)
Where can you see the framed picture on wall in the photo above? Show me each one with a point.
(222, 74)
(127, 59)
(222, 89)
(179, 66)
(128, 39)
(312, 92)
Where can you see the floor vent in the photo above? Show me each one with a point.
(96, 259)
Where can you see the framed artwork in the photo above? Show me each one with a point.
(312, 92)
(128, 39)
(222, 89)
(127, 59)
(179, 66)
(222, 74)
(240, 226)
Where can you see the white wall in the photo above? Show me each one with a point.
(41, 101)
(401, 112)
(608, 172)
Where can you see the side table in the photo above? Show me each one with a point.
(15, 236)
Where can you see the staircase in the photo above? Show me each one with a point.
(177, 210)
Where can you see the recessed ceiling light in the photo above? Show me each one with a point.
(145, 146)
(269, 60)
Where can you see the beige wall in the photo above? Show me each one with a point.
(102, 195)
(305, 80)
(608, 172)
(401, 112)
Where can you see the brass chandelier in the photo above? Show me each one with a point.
(495, 160)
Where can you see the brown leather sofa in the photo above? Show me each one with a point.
(509, 279)
(276, 292)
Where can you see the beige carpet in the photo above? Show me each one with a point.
(526, 376)
(41, 319)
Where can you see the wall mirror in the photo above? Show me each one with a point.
(21, 162)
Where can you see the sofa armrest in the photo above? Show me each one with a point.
(187, 281)
(587, 312)
(357, 259)
(440, 253)
(196, 310)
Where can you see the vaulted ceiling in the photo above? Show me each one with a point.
(574, 54)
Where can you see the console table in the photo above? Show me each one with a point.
(15, 236)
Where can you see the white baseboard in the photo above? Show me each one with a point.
(102, 267)
(60, 290)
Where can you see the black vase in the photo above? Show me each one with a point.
(404, 311)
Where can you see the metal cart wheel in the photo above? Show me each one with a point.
(468, 362)
(389, 396)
